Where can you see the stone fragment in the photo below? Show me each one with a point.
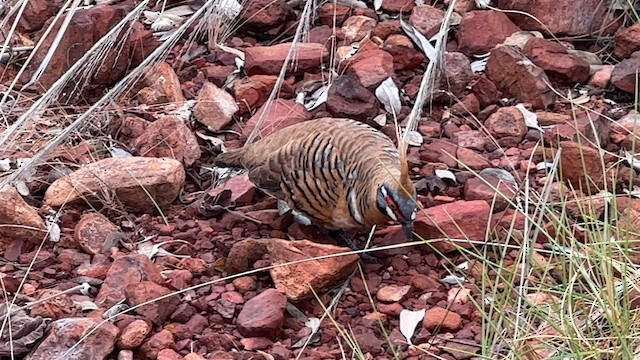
(24, 219)
(297, 280)
(370, 68)
(393, 293)
(156, 343)
(157, 311)
(133, 335)
(280, 114)
(214, 107)
(624, 75)
(168, 137)
(445, 320)
(356, 27)
(426, 19)
(162, 180)
(507, 125)
(129, 269)
(556, 61)
(516, 75)
(347, 98)
(627, 41)
(268, 60)
(262, 315)
(65, 333)
(96, 234)
(481, 30)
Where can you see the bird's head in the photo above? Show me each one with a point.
(398, 202)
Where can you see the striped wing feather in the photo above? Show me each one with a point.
(328, 169)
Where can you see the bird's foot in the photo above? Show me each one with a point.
(345, 240)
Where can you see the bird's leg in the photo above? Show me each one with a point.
(344, 239)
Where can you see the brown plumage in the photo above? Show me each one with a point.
(337, 173)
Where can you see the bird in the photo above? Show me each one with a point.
(337, 173)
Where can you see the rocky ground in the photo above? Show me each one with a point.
(503, 115)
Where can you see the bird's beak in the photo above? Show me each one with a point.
(408, 229)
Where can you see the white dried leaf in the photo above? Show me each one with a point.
(414, 138)
(152, 250)
(419, 2)
(300, 98)
(22, 188)
(5, 164)
(181, 11)
(353, 3)
(389, 95)
(239, 63)
(85, 289)
(409, 320)
(85, 305)
(453, 280)
(229, 8)
(54, 230)
(236, 52)
(377, 4)
(117, 152)
(530, 118)
(163, 23)
(20, 162)
(544, 165)
(631, 160)
(313, 324)
(482, 4)
(479, 65)
(463, 266)
(420, 40)
(115, 310)
(380, 119)
(318, 97)
(583, 99)
(445, 174)
(265, 355)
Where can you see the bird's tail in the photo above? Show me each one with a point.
(229, 159)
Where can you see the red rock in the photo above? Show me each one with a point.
(468, 106)
(57, 307)
(263, 315)
(168, 137)
(244, 253)
(583, 128)
(471, 159)
(461, 350)
(556, 61)
(507, 125)
(124, 271)
(179, 279)
(481, 30)
(559, 16)
(214, 107)
(65, 333)
(398, 6)
(627, 41)
(405, 57)
(133, 335)
(280, 114)
(485, 90)
(96, 234)
(456, 220)
(159, 310)
(514, 74)
(463, 6)
(386, 28)
(194, 356)
(159, 341)
(168, 354)
(163, 79)
(440, 151)
(244, 284)
(478, 189)
(16, 211)
(218, 74)
(347, 98)
(321, 35)
(458, 73)
(393, 293)
(356, 27)
(425, 283)
(429, 128)
(35, 15)
(296, 281)
(623, 75)
(390, 309)
(602, 77)
(256, 343)
(426, 19)
(253, 91)
(368, 342)
(370, 68)
(581, 166)
(330, 13)
(441, 318)
(264, 14)
(471, 139)
(268, 60)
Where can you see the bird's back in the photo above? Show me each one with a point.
(327, 169)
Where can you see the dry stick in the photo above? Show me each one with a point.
(120, 86)
(56, 88)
